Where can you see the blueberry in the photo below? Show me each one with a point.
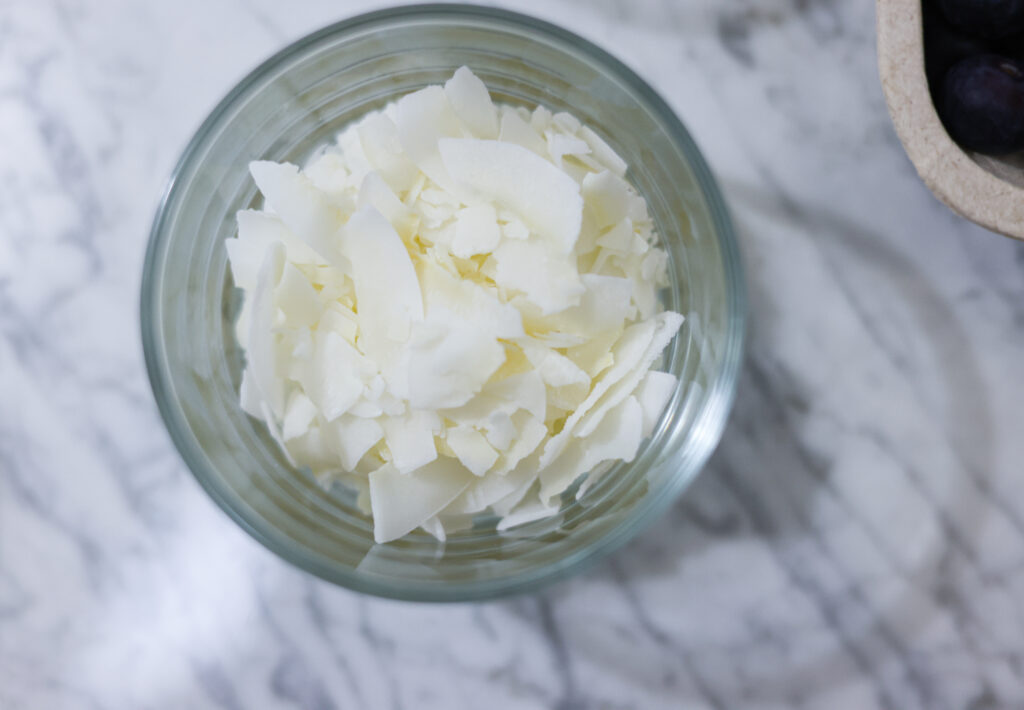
(946, 45)
(986, 18)
(1011, 46)
(983, 104)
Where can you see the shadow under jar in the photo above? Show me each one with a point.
(297, 101)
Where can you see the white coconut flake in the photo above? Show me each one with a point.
(387, 290)
(476, 231)
(627, 354)
(448, 360)
(297, 298)
(515, 130)
(488, 490)
(617, 437)
(472, 449)
(257, 231)
(422, 119)
(336, 376)
(472, 103)
(524, 391)
(249, 395)
(568, 123)
(351, 438)
(618, 237)
(378, 136)
(547, 280)
(532, 432)
(410, 439)
(607, 198)
(603, 152)
(653, 393)
(666, 326)
(555, 369)
(499, 430)
(329, 173)
(548, 200)
(299, 414)
(605, 303)
(527, 512)
(559, 145)
(434, 526)
(376, 193)
(469, 301)
(453, 311)
(402, 502)
(305, 209)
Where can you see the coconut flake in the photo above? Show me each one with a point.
(387, 290)
(499, 430)
(653, 393)
(476, 231)
(531, 433)
(375, 193)
(257, 231)
(515, 130)
(606, 302)
(402, 502)
(617, 437)
(434, 526)
(336, 376)
(627, 353)
(378, 136)
(603, 152)
(422, 119)
(351, 438)
(524, 391)
(555, 369)
(328, 172)
(548, 200)
(472, 449)
(472, 103)
(488, 490)
(249, 395)
(619, 237)
(540, 119)
(297, 298)
(559, 145)
(468, 301)
(482, 295)
(448, 361)
(411, 440)
(607, 198)
(299, 414)
(305, 209)
(546, 280)
(527, 512)
(666, 325)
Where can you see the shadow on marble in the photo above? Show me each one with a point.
(767, 443)
(770, 485)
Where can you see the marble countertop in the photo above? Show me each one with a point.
(857, 541)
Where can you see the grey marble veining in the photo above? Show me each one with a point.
(857, 541)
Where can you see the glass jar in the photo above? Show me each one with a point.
(298, 100)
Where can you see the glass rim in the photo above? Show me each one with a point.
(719, 401)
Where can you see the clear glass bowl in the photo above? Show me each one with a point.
(298, 100)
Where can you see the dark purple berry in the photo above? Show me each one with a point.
(985, 18)
(1011, 46)
(944, 46)
(983, 104)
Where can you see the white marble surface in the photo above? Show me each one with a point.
(856, 542)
